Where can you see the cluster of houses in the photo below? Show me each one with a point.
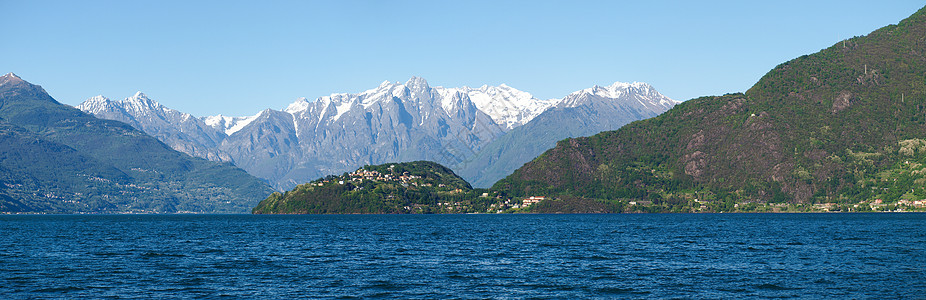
(877, 204)
(508, 204)
(531, 200)
(915, 203)
(371, 175)
(360, 175)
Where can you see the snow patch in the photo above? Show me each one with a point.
(645, 95)
(95, 104)
(240, 122)
(301, 105)
(230, 125)
(507, 106)
(342, 109)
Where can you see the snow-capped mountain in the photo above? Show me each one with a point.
(507, 106)
(228, 125)
(393, 122)
(581, 113)
(503, 104)
(645, 96)
(180, 131)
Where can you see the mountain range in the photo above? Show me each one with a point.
(481, 133)
(57, 159)
(844, 126)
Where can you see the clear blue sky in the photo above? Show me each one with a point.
(238, 57)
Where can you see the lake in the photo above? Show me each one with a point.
(464, 256)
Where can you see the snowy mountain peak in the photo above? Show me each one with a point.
(97, 99)
(507, 106)
(302, 104)
(138, 109)
(394, 121)
(216, 120)
(417, 83)
(11, 78)
(140, 104)
(95, 104)
(452, 101)
(230, 125)
(140, 99)
(616, 90)
(637, 92)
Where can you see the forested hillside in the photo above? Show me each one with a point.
(844, 125)
(57, 159)
(415, 187)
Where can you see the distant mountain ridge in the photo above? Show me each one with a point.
(57, 159)
(506, 106)
(582, 113)
(393, 122)
(180, 131)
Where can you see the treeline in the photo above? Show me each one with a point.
(434, 189)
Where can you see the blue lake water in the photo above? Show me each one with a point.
(464, 256)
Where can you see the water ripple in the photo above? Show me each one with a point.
(464, 256)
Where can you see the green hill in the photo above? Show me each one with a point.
(843, 126)
(414, 187)
(57, 159)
